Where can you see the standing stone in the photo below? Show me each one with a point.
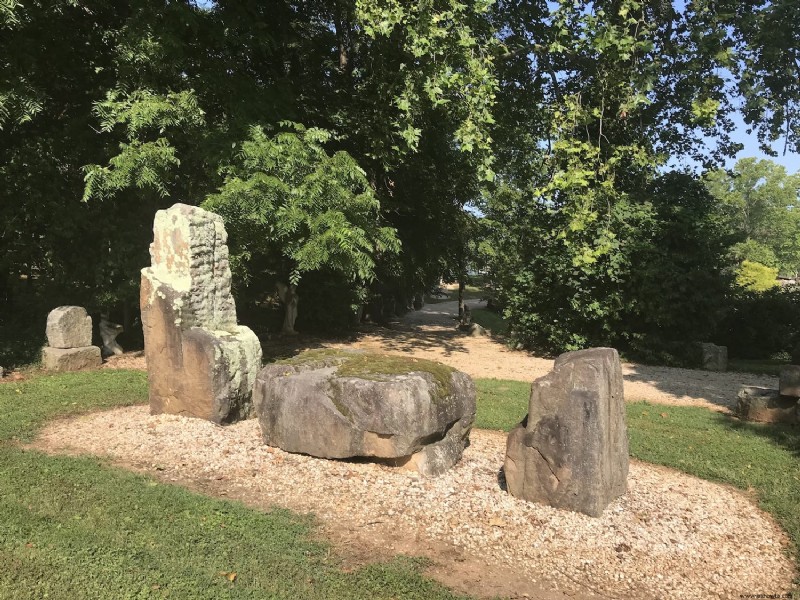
(571, 451)
(69, 327)
(714, 358)
(200, 362)
(789, 382)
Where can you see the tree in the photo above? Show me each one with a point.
(291, 208)
(763, 206)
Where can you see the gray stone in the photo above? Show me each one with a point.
(713, 357)
(571, 451)
(765, 405)
(71, 359)
(69, 327)
(200, 363)
(789, 382)
(308, 407)
(108, 333)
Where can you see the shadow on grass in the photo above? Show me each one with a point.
(784, 436)
(715, 388)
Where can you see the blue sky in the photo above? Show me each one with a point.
(791, 160)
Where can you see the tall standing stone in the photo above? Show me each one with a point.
(200, 363)
(571, 451)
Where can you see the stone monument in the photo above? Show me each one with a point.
(200, 363)
(405, 412)
(69, 339)
(571, 450)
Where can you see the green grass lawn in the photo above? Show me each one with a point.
(761, 458)
(76, 528)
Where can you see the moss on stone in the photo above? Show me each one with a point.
(319, 355)
(377, 367)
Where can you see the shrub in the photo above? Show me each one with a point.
(763, 324)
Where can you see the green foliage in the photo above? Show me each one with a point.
(761, 201)
(680, 276)
(762, 324)
(756, 277)
(285, 198)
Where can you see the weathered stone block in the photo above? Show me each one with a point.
(71, 359)
(69, 327)
(789, 382)
(714, 358)
(765, 405)
(337, 404)
(200, 362)
(571, 451)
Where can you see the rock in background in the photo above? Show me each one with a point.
(69, 339)
(200, 363)
(713, 357)
(765, 405)
(339, 404)
(571, 451)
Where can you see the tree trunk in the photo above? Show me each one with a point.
(461, 286)
(290, 299)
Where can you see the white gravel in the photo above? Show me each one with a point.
(671, 536)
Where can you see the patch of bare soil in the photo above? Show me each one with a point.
(671, 535)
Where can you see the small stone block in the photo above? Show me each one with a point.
(790, 381)
(765, 405)
(715, 358)
(71, 359)
(69, 327)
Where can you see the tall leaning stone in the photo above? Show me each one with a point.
(200, 363)
(571, 451)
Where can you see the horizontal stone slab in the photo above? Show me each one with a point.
(71, 359)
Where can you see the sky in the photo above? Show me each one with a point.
(790, 160)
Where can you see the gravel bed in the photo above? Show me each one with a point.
(671, 536)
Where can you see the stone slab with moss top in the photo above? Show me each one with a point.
(407, 412)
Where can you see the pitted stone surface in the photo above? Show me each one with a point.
(69, 327)
(311, 408)
(200, 362)
(190, 253)
(571, 451)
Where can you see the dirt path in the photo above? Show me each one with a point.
(431, 333)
